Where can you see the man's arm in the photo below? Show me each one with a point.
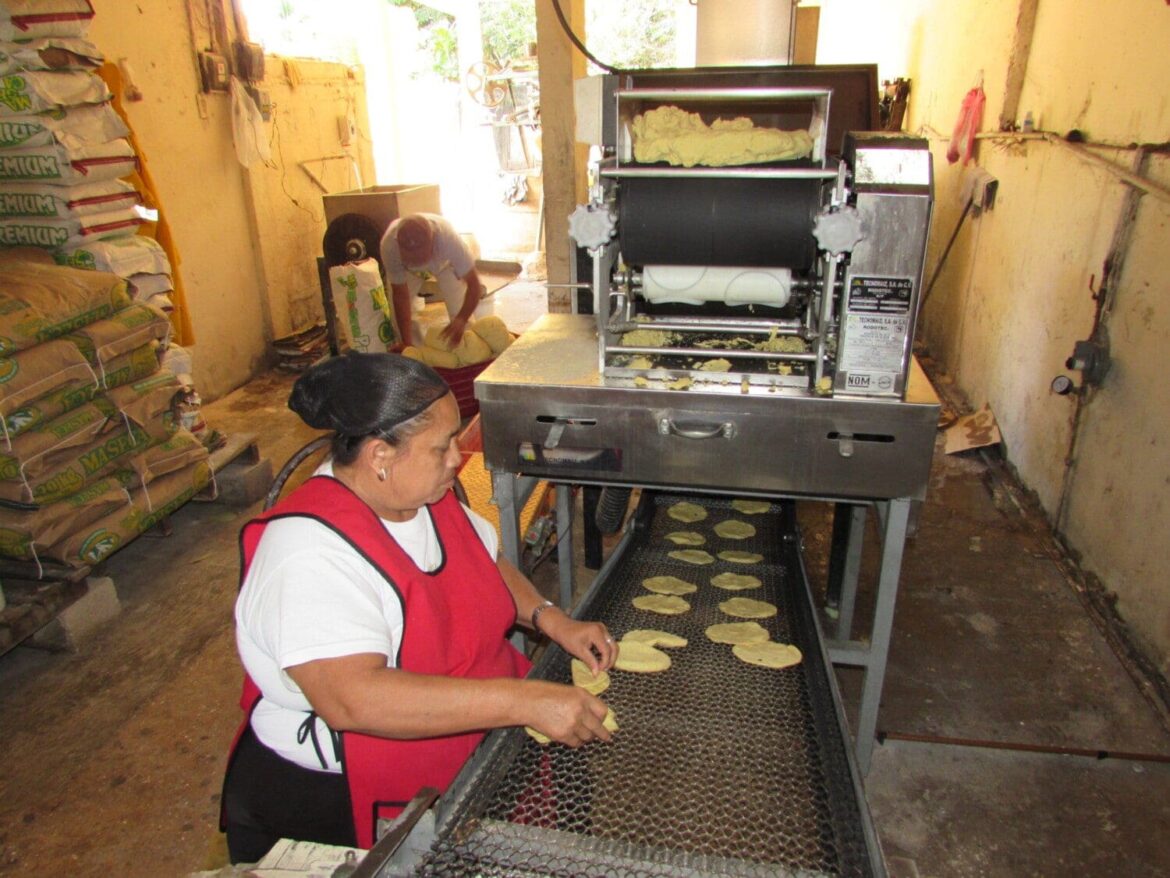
(453, 332)
(403, 316)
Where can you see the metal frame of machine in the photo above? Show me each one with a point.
(838, 410)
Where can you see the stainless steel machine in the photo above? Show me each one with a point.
(800, 274)
(751, 337)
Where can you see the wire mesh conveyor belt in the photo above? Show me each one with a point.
(719, 767)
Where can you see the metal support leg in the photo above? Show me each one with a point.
(504, 495)
(894, 516)
(850, 571)
(565, 544)
(505, 487)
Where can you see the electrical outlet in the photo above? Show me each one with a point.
(213, 69)
(346, 129)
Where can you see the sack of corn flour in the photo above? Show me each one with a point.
(125, 256)
(28, 19)
(36, 200)
(363, 314)
(70, 231)
(60, 164)
(48, 91)
(126, 330)
(72, 126)
(49, 53)
(38, 371)
(40, 301)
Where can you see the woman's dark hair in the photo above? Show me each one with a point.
(362, 396)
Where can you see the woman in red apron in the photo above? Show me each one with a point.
(372, 622)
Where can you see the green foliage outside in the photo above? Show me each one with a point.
(622, 33)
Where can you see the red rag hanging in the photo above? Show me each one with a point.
(970, 118)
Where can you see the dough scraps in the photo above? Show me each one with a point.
(655, 638)
(641, 658)
(738, 632)
(734, 529)
(666, 604)
(747, 608)
(735, 581)
(768, 654)
(688, 512)
(692, 556)
(737, 557)
(583, 677)
(646, 338)
(686, 538)
(669, 585)
(717, 365)
(610, 722)
(750, 507)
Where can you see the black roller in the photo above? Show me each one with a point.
(719, 221)
(351, 238)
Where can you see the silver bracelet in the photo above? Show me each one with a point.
(540, 608)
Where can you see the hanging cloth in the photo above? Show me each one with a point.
(967, 126)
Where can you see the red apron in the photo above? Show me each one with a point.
(455, 623)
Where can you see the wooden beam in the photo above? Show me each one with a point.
(1018, 64)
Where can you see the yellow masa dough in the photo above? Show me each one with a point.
(737, 557)
(734, 529)
(669, 585)
(737, 632)
(641, 658)
(735, 581)
(747, 608)
(686, 538)
(692, 556)
(688, 512)
(768, 654)
(583, 678)
(654, 637)
(666, 604)
(750, 507)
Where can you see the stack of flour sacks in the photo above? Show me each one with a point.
(64, 150)
(92, 452)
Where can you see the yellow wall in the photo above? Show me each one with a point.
(1015, 293)
(247, 252)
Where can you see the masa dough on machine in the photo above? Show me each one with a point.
(677, 137)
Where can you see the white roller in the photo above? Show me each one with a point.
(698, 284)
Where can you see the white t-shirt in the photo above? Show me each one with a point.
(449, 251)
(308, 595)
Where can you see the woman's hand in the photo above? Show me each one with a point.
(591, 642)
(565, 713)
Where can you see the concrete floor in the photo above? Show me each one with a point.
(114, 753)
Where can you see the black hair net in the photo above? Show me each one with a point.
(362, 394)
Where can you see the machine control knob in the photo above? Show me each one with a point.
(1062, 385)
(839, 231)
(591, 225)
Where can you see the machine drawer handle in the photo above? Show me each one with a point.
(667, 427)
